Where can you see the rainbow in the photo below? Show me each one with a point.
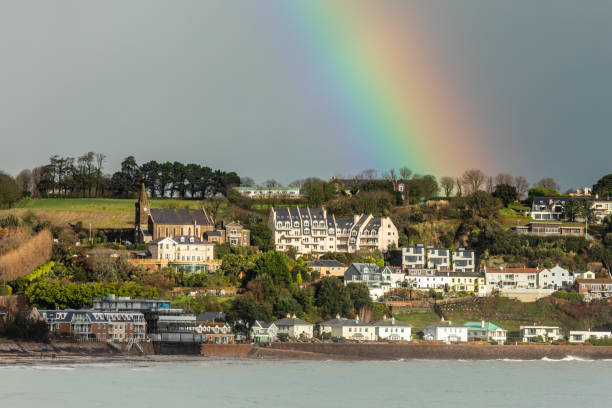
(395, 103)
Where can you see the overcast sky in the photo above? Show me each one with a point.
(214, 82)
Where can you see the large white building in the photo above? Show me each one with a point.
(315, 231)
(528, 278)
(426, 279)
(546, 333)
(185, 249)
(392, 330)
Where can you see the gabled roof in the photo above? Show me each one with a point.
(338, 322)
(180, 217)
(262, 324)
(390, 323)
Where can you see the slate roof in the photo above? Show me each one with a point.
(344, 322)
(165, 216)
(291, 321)
(444, 323)
(186, 240)
(327, 263)
(210, 316)
(390, 323)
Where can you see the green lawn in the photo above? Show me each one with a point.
(418, 319)
(100, 212)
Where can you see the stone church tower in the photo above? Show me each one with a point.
(143, 210)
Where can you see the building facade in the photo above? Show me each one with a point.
(446, 331)
(315, 231)
(578, 336)
(86, 325)
(414, 257)
(269, 192)
(438, 258)
(153, 223)
(294, 328)
(236, 235)
(464, 260)
(485, 331)
(328, 267)
(392, 330)
(546, 333)
(595, 288)
(184, 249)
(548, 228)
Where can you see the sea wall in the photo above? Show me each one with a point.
(351, 351)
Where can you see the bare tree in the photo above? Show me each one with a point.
(490, 185)
(405, 173)
(368, 174)
(100, 157)
(297, 183)
(548, 182)
(448, 185)
(247, 182)
(503, 178)
(270, 183)
(521, 185)
(393, 174)
(473, 180)
(459, 184)
(24, 180)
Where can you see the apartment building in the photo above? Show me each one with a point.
(464, 260)
(438, 258)
(315, 231)
(182, 248)
(87, 325)
(414, 257)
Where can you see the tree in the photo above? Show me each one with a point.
(318, 191)
(481, 204)
(522, 185)
(603, 187)
(247, 182)
(506, 193)
(333, 298)
(448, 185)
(392, 174)
(271, 183)
(24, 180)
(261, 237)
(9, 191)
(473, 180)
(359, 295)
(274, 264)
(490, 185)
(573, 209)
(368, 174)
(542, 192)
(548, 183)
(503, 178)
(430, 186)
(405, 173)
(459, 184)
(245, 310)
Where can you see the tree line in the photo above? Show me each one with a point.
(84, 177)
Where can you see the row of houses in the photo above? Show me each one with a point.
(541, 281)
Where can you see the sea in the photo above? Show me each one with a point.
(412, 383)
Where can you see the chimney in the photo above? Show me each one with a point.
(288, 315)
(338, 316)
(392, 320)
(293, 316)
(482, 324)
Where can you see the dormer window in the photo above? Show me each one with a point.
(296, 224)
(191, 240)
(182, 239)
(331, 230)
(306, 223)
(279, 225)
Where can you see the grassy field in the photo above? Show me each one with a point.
(418, 319)
(100, 212)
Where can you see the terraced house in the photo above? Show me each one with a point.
(315, 231)
(85, 325)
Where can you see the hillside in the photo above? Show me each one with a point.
(100, 212)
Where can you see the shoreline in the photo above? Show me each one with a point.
(29, 354)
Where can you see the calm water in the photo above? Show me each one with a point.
(310, 384)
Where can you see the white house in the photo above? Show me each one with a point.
(413, 257)
(390, 329)
(547, 333)
(584, 275)
(379, 280)
(485, 331)
(577, 336)
(446, 331)
(182, 248)
(262, 332)
(294, 328)
(438, 258)
(464, 260)
(350, 329)
(555, 278)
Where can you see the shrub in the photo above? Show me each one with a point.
(571, 296)
(5, 290)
